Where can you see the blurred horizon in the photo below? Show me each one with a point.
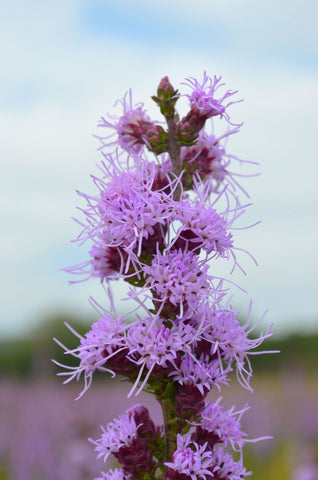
(66, 63)
(302, 327)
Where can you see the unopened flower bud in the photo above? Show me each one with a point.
(166, 97)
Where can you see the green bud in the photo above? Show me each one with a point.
(166, 97)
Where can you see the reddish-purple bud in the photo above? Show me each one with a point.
(189, 400)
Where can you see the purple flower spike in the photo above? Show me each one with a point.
(157, 223)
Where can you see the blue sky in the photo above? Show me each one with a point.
(65, 63)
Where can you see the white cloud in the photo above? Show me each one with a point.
(47, 150)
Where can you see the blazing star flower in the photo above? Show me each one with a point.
(129, 129)
(202, 228)
(229, 339)
(103, 341)
(106, 261)
(207, 158)
(201, 373)
(118, 434)
(126, 213)
(127, 439)
(178, 278)
(116, 474)
(189, 460)
(218, 425)
(156, 345)
(225, 468)
(145, 227)
(129, 212)
(142, 418)
(203, 97)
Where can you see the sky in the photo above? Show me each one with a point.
(64, 64)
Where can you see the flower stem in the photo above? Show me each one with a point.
(174, 150)
(170, 434)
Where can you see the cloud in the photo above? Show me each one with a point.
(244, 30)
(58, 80)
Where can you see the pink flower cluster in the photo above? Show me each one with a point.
(159, 223)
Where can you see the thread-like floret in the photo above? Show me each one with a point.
(189, 460)
(116, 474)
(152, 344)
(202, 373)
(203, 97)
(101, 342)
(202, 228)
(178, 278)
(218, 425)
(118, 434)
(129, 129)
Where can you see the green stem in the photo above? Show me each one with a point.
(174, 150)
(170, 434)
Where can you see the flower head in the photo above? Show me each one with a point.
(219, 425)
(118, 434)
(179, 279)
(158, 344)
(225, 468)
(101, 342)
(202, 228)
(116, 474)
(152, 344)
(129, 210)
(106, 261)
(203, 99)
(130, 128)
(228, 339)
(189, 460)
(127, 217)
(200, 373)
(127, 438)
(207, 158)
